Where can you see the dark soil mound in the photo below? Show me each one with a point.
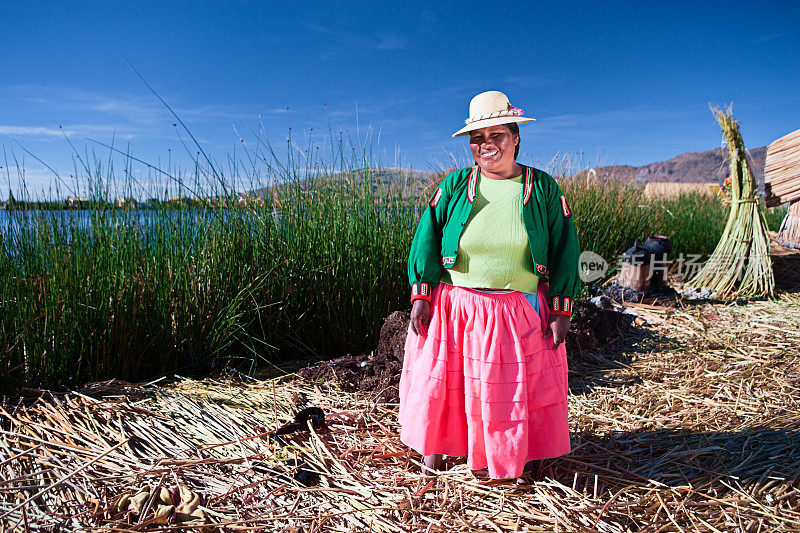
(594, 326)
(785, 265)
(378, 372)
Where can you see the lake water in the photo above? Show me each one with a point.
(157, 223)
(60, 225)
(81, 218)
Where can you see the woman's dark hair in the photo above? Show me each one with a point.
(513, 127)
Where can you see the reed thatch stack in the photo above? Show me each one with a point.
(789, 234)
(782, 170)
(740, 266)
(782, 184)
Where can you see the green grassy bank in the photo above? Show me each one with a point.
(313, 269)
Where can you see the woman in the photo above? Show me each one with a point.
(485, 370)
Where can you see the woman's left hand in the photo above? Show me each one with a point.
(557, 327)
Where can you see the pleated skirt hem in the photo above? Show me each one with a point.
(484, 382)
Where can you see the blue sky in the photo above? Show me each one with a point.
(608, 82)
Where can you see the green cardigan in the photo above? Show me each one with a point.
(548, 221)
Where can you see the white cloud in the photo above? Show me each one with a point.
(391, 42)
(601, 122)
(35, 131)
(103, 129)
(33, 184)
(46, 132)
(349, 43)
(766, 38)
(62, 100)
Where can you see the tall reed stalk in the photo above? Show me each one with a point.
(740, 265)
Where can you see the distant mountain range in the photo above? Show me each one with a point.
(691, 167)
(403, 181)
(709, 166)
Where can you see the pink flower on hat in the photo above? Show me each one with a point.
(515, 110)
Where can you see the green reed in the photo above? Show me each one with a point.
(611, 214)
(312, 264)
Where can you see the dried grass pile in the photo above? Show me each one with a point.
(782, 170)
(789, 232)
(666, 189)
(689, 425)
(782, 184)
(740, 265)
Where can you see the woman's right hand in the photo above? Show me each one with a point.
(420, 316)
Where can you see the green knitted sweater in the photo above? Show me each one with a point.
(494, 251)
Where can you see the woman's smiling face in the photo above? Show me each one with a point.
(493, 148)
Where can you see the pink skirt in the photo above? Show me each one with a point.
(484, 382)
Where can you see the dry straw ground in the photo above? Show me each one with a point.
(690, 424)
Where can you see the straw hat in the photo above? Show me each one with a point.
(490, 109)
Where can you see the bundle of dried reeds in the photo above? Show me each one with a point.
(666, 189)
(740, 265)
(782, 170)
(689, 426)
(789, 234)
(782, 184)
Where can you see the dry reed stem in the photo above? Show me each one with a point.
(689, 425)
(740, 265)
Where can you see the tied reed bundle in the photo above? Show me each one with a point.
(740, 265)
